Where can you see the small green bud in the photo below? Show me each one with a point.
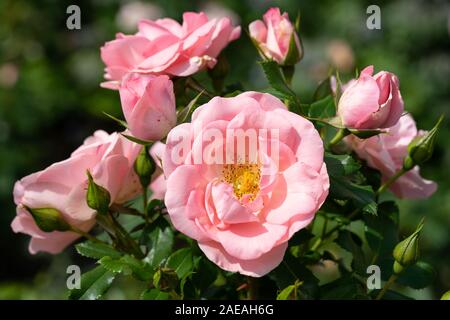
(97, 197)
(144, 166)
(408, 163)
(165, 279)
(406, 252)
(48, 219)
(446, 296)
(421, 148)
(156, 278)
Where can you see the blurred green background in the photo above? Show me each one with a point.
(50, 99)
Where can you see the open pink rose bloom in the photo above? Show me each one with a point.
(166, 47)
(243, 207)
(63, 185)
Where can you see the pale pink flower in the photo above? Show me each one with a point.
(62, 186)
(273, 35)
(148, 104)
(241, 212)
(385, 152)
(372, 101)
(164, 46)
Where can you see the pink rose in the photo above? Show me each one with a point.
(371, 102)
(148, 104)
(63, 185)
(166, 47)
(385, 152)
(273, 35)
(243, 206)
(158, 184)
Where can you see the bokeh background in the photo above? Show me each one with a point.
(50, 99)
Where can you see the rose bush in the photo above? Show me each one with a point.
(203, 193)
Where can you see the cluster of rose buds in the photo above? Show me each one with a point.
(242, 213)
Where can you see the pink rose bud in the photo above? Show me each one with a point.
(61, 189)
(243, 203)
(164, 46)
(148, 103)
(275, 36)
(386, 152)
(371, 102)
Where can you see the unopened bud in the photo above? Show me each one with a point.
(446, 296)
(421, 148)
(48, 219)
(406, 252)
(165, 279)
(144, 166)
(97, 197)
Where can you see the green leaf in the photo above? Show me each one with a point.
(94, 284)
(181, 262)
(96, 250)
(141, 270)
(154, 294)
(128, 265)
(323, 90)
(275, 78)
(115, 265)
(345, 288)
(417, 276)
(343, 164)
(381, 233)
(153, 205)
(286, 292)
(158, 238)
(352, 243)
(205, 274)
(323, 109)
(291, 270)
(120, 122)
(136, 140)
(362, 196)
(341, 187)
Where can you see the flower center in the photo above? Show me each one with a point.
(244, 177)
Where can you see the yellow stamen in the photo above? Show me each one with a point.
(244, 177)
